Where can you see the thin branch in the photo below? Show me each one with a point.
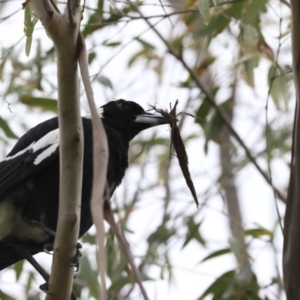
(100, 163)
(10, 15)
(109, 217)
(286, 3)
(268, 127)
(120, 50)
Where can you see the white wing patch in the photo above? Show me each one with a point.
(50, 140)
(19, 153)
(46, 153)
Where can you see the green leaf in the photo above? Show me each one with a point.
(30, 280)
(213, 129)
(4, 296)
(28, 45)
(89, 238)
(216, 254)
(204, 109)
(96, 21)
(18, 267)
(120, 282)
(219, 286)
(193, 233)
(112, 44)
(34, 297)
(27, 14)
(203, 112)
(30, 21)
(253, 10)
(91, 57)
(214, 126)
(5, 127)
(219, 22)
(137, 55)
(161, 235)
(249, 66)
(89, 276)
(278, 84)
(2, 64)
(145, 44)
(46, 104)
(249, 39)
(105, 82)
(100, 7)
(189, 83)
(204, 11)
(258, 232)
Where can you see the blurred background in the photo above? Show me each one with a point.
(236, 54)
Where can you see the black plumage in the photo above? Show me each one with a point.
(29, 176)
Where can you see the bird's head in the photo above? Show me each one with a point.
(130, 116)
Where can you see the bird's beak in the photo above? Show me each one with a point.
(151, 119)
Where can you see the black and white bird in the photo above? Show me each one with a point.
(29, 177)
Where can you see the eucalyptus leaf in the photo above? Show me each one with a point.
(7, 130)
(204, 11)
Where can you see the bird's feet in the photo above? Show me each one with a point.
(48, 248)
(75, 259)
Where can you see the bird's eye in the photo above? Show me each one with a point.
(128, 109)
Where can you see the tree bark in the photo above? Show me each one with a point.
(227, 182)
(63, 29)
(291, 248)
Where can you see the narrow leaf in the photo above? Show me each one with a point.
(216, 254)
(4, 296)
(46, 104)
(18, 267)
(204, 11)
(258, 232)
(5, 127)
(145, 44)
(219, 286)
(105, 82)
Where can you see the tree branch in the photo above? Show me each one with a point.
(291, 247)
(63, 30)
(100, 160)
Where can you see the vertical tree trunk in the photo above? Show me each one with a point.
(63, 29)
(227, 182)
(291, 248)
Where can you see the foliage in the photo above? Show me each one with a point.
(228, 47)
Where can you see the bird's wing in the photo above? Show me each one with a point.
(36, 150)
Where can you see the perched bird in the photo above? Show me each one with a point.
(29, 178)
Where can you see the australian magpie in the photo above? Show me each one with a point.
(29, 177)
